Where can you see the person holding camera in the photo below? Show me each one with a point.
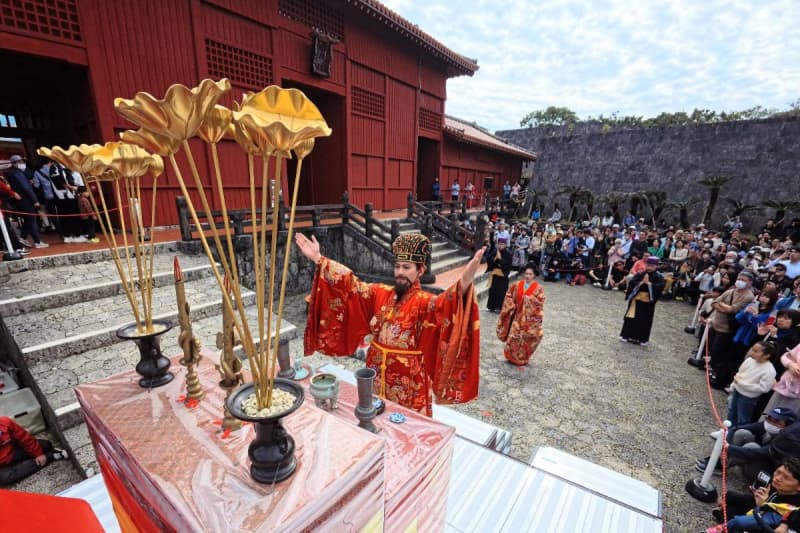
(774, 497)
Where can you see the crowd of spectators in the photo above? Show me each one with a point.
(746, 289)
(44, 197)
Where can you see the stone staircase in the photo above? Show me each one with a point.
(63, 312)
(444, 254)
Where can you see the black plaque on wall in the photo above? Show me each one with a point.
(322, 54)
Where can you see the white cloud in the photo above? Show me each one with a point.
(638, 58)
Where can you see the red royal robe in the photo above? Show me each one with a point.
(520, 322)
(423, 344)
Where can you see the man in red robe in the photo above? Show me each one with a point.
(423, 344)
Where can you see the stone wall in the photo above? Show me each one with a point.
(368, 260)
(763, 155)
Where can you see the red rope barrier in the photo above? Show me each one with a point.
(723, 435)
(39, 213)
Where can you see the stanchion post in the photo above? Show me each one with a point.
(701, 488)
(703, 341)
(11, 254)
(691, 328)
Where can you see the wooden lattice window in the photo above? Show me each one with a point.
(368, 103)
(55, 18)
(239, 65)
(316, 14)
(430, 120)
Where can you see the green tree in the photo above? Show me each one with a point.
(781, 207)
(714, 184)
(574, 195)
(683, 211)
(739, 208)
(534, 199)
(587, 198)
(552, 116)
(656, 202)
(614, 200)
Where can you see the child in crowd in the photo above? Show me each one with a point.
(786, 393)
(755, 377)
(88, 217)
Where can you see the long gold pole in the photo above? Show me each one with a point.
(257, 268)
(263, 347)
(152, 250)
(275, 201)
(124, 230)
(224, 207)
(241, 329)
(108, 233)
(133, 209)
(215, 233)
(285, 271)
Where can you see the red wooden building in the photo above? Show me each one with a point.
(384, 93)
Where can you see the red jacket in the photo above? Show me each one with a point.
(11, 432)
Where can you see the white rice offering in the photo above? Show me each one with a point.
(281, 401)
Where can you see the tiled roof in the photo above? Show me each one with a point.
(472, 133)
(459, 65)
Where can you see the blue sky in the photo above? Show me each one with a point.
(635, 57)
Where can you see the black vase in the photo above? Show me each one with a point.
(272, 451)
(152, 365)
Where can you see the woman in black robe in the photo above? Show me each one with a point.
(644, 289)
(498, 264)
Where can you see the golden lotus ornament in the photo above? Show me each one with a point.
(117, 169)
(179, 114)
(153, 143)
(280, 118)
(80, 158)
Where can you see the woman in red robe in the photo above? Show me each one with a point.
(423, 345)
(520, 322)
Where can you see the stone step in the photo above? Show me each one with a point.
(58, 378)
(446, 253)
(77, 258)
(72, 329)
(449, 264)
(89, 286)
(77, 434)
(440, 245)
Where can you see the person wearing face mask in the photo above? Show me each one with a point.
(28, 202)
(750, 443)
(723, 328)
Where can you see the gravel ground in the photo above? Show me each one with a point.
(640, 411)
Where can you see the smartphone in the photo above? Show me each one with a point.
(762, 480)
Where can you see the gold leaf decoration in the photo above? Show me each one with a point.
(179, 115)
(280, 119)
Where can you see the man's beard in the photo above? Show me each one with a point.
(401, 286)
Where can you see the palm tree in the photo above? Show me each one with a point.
(739, 208)
(587, 198)
(714, 184)
(636, 198)
(535, 199)
(656, 202)
(613, 200)
(683, 211)
(573, 194)
(781, 207)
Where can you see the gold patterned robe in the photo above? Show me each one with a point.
(520, 322)
(423, 344)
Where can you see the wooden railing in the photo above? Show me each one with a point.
(429, 216)
(314, 216)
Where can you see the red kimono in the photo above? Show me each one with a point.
(520, 322)
(421, 344)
